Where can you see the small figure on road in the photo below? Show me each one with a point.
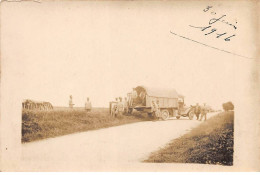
(197, 111)
(88, 105)
(70, 102)
(203, 112)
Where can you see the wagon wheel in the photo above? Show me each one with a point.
(165, 114)
(191, 115)
(150, 114)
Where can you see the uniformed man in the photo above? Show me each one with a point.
(158, 109)
(204, 112)
(197, 111)
(133, 96)
(142, 97)
(155, 109)
(126, 106)
(88, 105)
(120, 107)
(70, 102)
(114, 108)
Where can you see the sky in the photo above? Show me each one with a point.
(54, 50)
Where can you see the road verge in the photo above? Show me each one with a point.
(209, 143)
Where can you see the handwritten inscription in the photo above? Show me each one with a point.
(211, 29)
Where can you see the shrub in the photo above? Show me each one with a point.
(228, 106)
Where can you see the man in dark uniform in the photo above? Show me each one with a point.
(204, 112)
(197, 111)
(126, 106)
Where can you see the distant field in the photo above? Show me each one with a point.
(38, 125)
(210, 143)
(66, 108)
(60, 108)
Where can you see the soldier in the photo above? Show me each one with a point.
(114, 108)
(133, 96)
(158, 111)
(197, 111)
(88, 105)
(203, 112)
(70, 102)
(155, 109)
(126, 106)
(120, 107)
(142, 97)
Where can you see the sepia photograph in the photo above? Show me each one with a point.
(126, 86)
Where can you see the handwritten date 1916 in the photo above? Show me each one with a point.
(210, 30)
(214, 30)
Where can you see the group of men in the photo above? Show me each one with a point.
(120, 107)
(201, 112)
(88, 105)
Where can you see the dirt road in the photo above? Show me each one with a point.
(124, 144)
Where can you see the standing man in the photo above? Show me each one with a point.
(203, 112)
(133, 96)
(120, 106)
(126, 106)
(114, 108)
(70, 102)
(142, 96)
(158, 111)
(88, 105)
(197, 111)
(155, 109)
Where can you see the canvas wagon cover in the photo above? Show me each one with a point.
(159, 92)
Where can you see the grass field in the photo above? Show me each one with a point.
(209, 143)
(38, 125)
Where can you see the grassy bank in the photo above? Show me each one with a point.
(209, 143)
(38, 125)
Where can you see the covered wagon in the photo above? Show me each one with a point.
(170, 102)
